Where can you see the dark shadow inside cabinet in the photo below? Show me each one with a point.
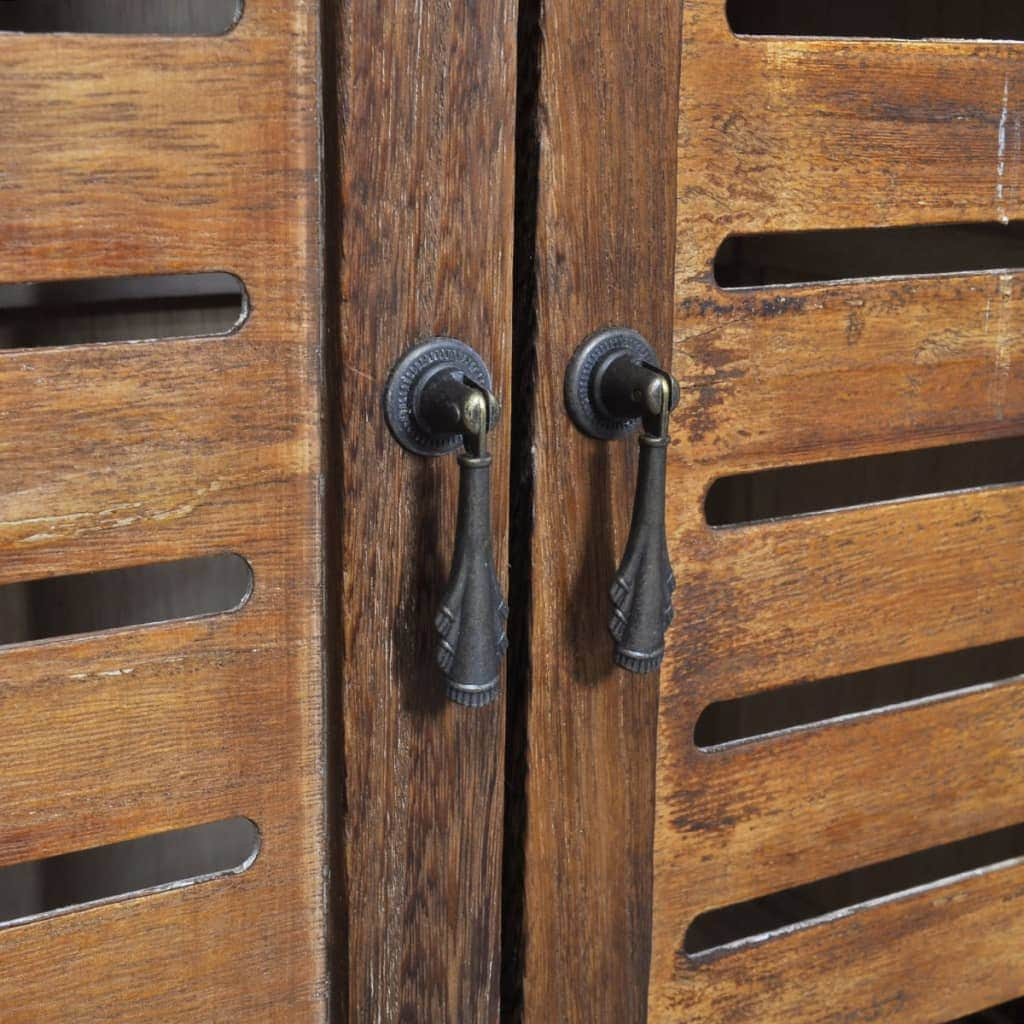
(899, 19)
(1007, 1013)
(121, 17)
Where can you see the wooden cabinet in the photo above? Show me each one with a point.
(233, 786)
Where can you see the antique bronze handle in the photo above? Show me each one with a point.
(613, 386)
(439, 399)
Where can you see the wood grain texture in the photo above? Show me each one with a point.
(604, 129)
(805, 134)
(869, 967)
(425, 142)
(813, 134)
(921, 796)
(162, 156)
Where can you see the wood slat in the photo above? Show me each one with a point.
(819, 596)
(937, 357)
(887, 963)
(176, 450)
(790, 810)
(821, 133)
(162, 957)
(121, 125)
(142, 729)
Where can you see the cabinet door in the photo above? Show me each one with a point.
(343, 174)
(159, 180)
(815, 815)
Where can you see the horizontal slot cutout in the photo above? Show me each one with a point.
(1005, 1013)
(790, 491)
(858, 694)
(121, 17)
(868, 254)
(136, 867)
(872, 19)
(730, 929)
(157, 307)
(143, 595)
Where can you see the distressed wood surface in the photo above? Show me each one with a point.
(137, 156)
(830, 134)
(425, 141)
(603, 129)
(886, 963)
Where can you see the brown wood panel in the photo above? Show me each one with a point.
(759, 366)
(119, 125)
(161, 956)
(920, 796)
(425, 142)
(601, 128)
(815, 133)
(177, 451)
(139, 734)
(885, 963)
(812, 134)
(138, 155)
(818, 596)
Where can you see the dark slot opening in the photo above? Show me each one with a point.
(1006, 1013)
(898, 19)
(142, 595)
(742, 924)
(121, 17)
(802, 704)
(863, 254)
(57, 313)
(847, 483)
(182, 857)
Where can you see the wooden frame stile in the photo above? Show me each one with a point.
(599, 133)
(422, 139)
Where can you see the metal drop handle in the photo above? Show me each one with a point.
(438, 399)
(613, 387)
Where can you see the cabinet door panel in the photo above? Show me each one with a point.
(154, 155)
(838, 866)
(829, 134)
